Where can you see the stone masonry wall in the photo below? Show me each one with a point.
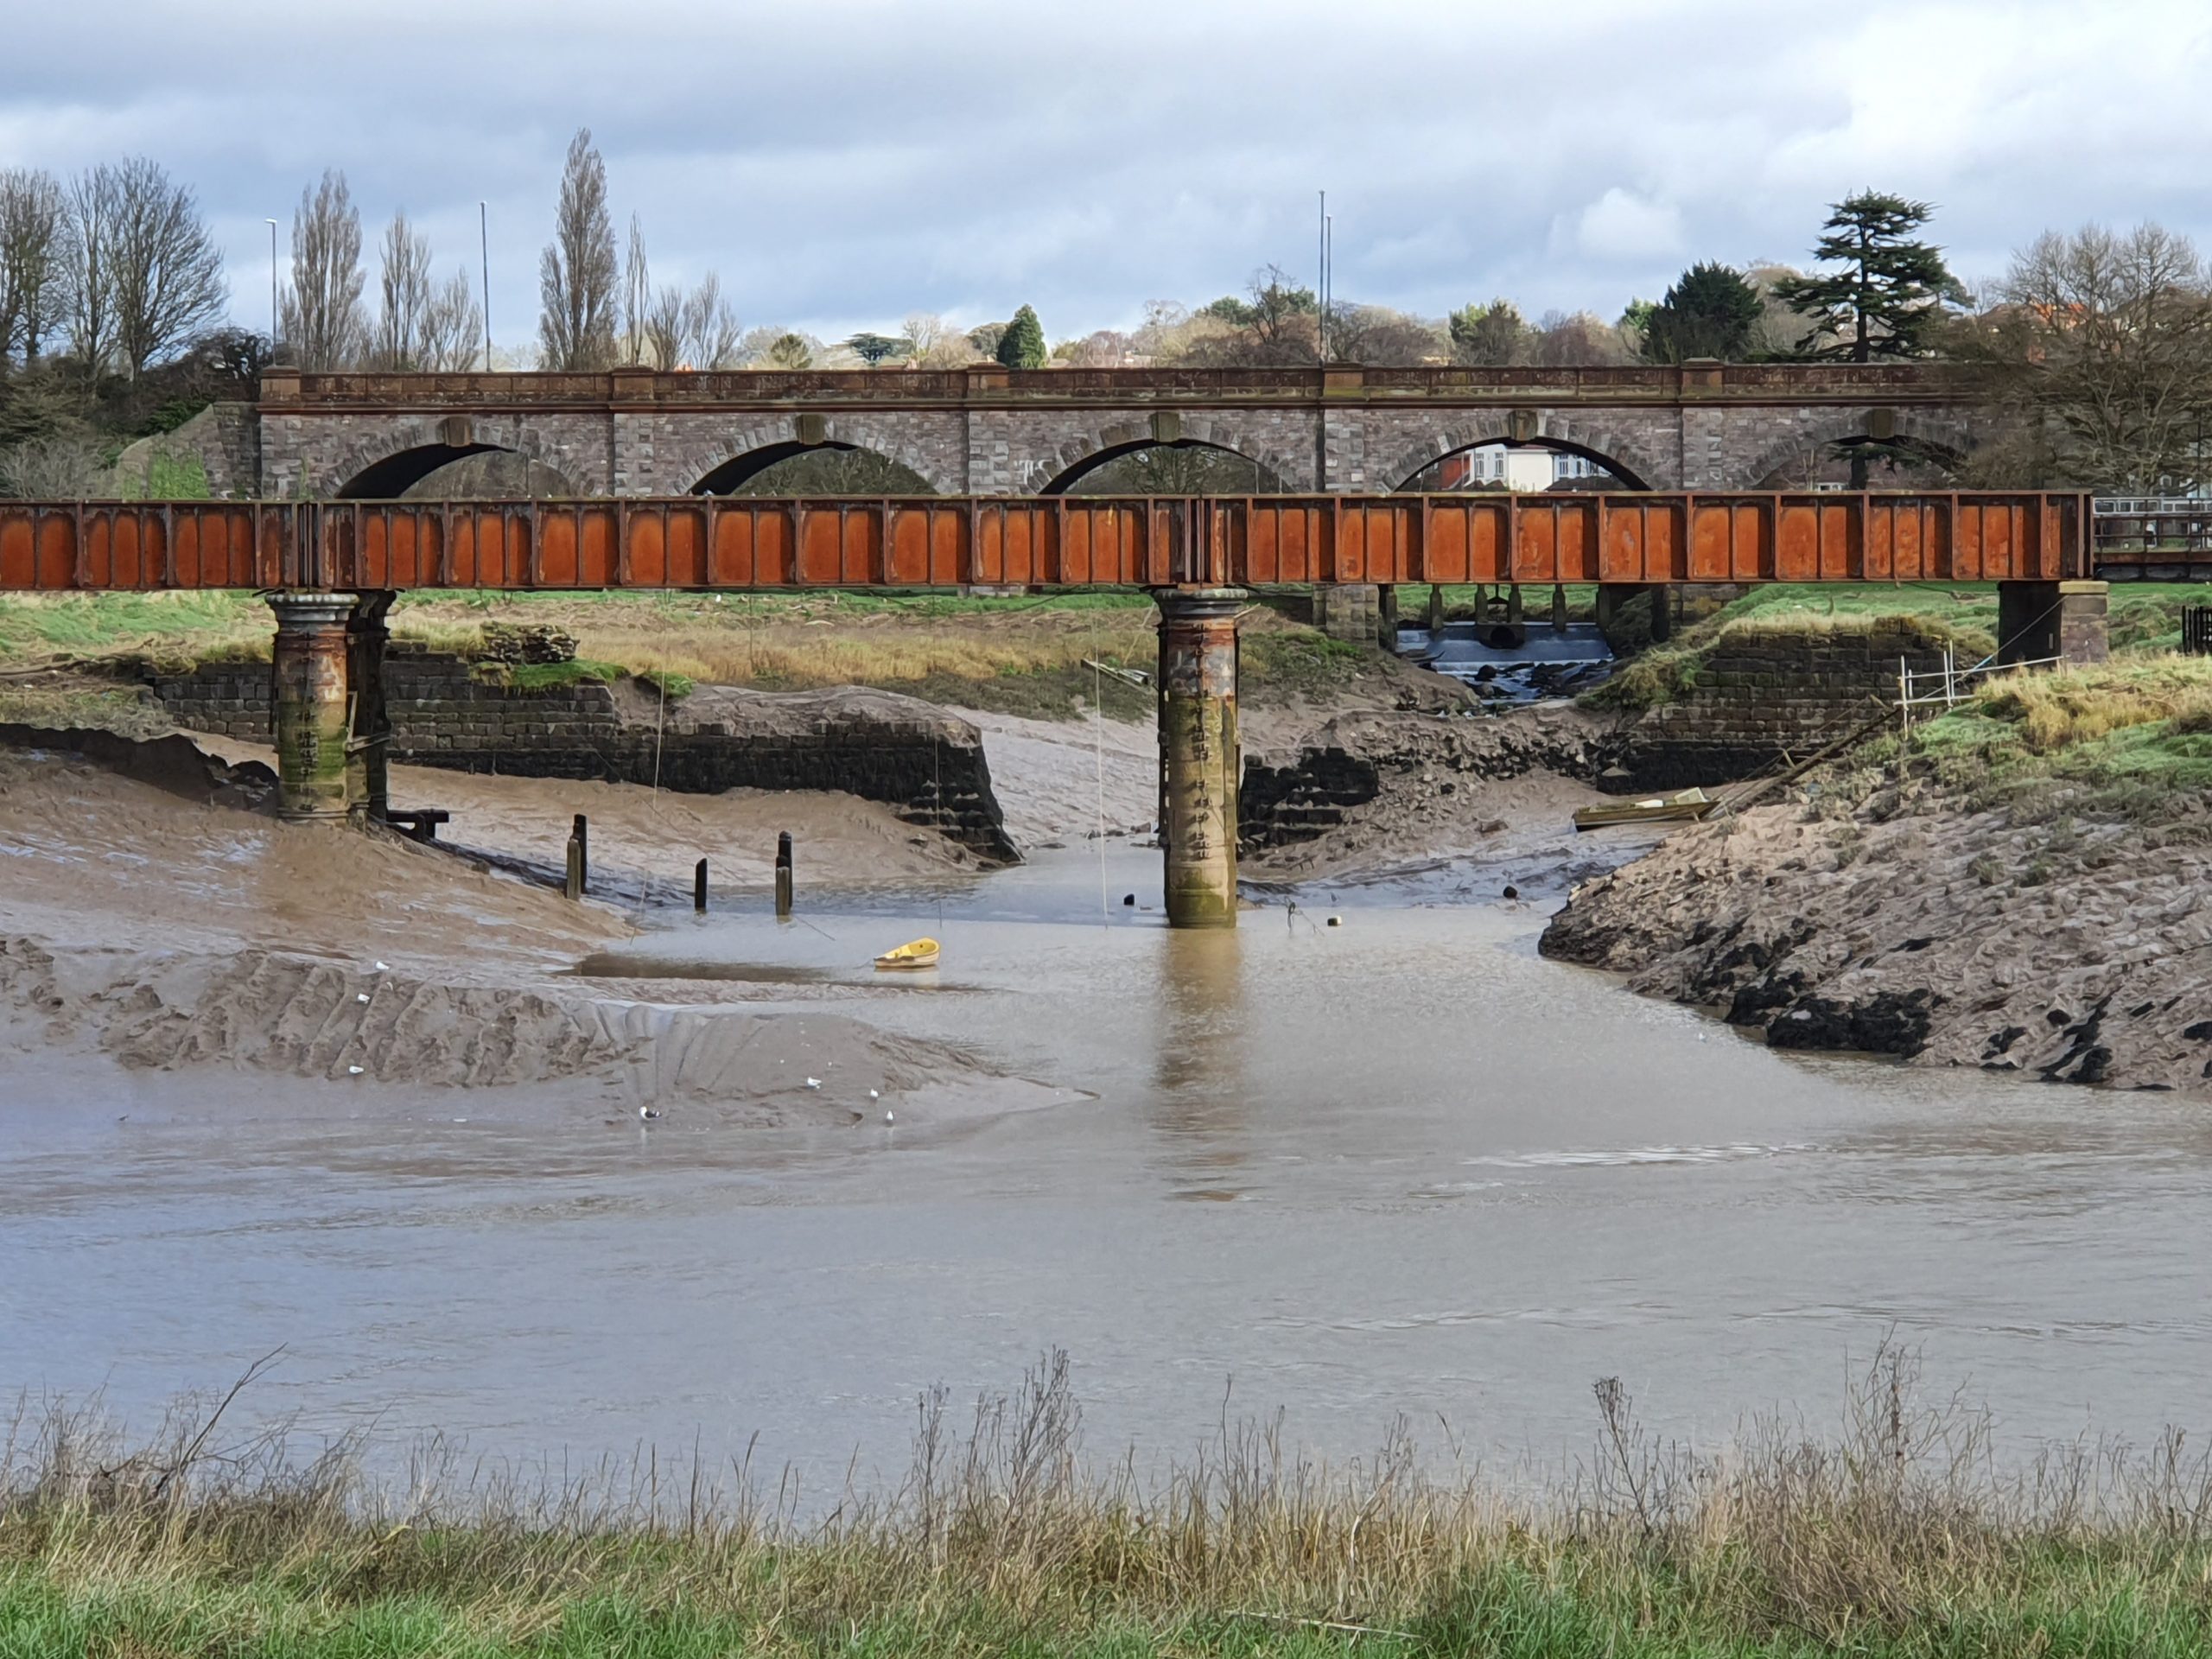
(925, 764)
(1364, 437)
(1760, 694)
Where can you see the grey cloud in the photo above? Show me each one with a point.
(841, 162)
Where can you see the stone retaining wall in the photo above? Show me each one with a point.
(925, 764)
(1760, 694)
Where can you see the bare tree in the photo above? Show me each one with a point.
(637, 296)
(32, 257)
(660, 329)
(59, 468)
(1279, 324)
(153, 274)
(1581, 341)
(90, 209)
(453, 325)
(577, 273)
(404, 291)
(1107, 348)
(923, 330)
(1381, 338)
(324, 321)
(2100, 358)
(710, 331)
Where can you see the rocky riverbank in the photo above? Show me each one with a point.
(2062, 946)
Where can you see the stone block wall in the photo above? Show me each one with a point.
(1760, 694)
(925, 764)
(1296, 799)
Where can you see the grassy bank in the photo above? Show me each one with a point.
(1895, 1536)
(2131, 739)
(1019, 656)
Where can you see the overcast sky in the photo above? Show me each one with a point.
(841, 162)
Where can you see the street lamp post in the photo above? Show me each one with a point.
(274, 322)
(484, 243)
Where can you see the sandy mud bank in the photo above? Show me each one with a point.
(163, 931)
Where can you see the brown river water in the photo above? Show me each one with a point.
(1401, 1167)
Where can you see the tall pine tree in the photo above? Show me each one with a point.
(1022, 346)
(1888, 298)
(1707, 313)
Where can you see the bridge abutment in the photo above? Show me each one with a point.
(311, 707)
(1199, 754)
(2039, 621)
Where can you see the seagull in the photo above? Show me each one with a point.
(360, 996)
(647, 1114)
(353, 1070)
(872, 1095)
(383, 968)
(887, 1117)
(814, 1082)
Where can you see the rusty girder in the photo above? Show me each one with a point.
(721, 542)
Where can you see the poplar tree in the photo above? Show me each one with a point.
(324, 321)
(1022, 346)
(577, 273)
(1888, 298)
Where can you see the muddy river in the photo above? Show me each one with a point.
(1401, 1166)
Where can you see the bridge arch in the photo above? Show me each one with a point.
(1081, 452)
(1615, 451)
(1266, 480)
(404, 454)
(720, 457)
(1945, 441)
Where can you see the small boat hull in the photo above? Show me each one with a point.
(917, 953)
(1688, 805)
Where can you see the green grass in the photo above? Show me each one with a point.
(1896, 1537)
(2130, 739)
(36, 626)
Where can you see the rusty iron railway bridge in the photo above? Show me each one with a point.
(330, 570)
(700, 541)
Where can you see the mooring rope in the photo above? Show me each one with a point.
(1098, 756)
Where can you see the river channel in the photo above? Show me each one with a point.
(1402, 1167)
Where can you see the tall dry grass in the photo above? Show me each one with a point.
(785, 644)
(1901, 1532)
(2058, 708)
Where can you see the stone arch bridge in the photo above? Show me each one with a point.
(992, 431)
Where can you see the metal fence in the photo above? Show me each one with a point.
(2152, 537)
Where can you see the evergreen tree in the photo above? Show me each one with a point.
(1022, 346)
(1889, 296)
(1488, 336)
(1709, 312)
(873, 349)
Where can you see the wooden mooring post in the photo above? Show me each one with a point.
(783, 873)
(699, 886)
(579, 869)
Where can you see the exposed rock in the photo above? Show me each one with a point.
(2092, 963)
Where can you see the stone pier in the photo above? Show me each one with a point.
(368, 768)
(312, 710)
(2039, 621)
(1200, 760)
